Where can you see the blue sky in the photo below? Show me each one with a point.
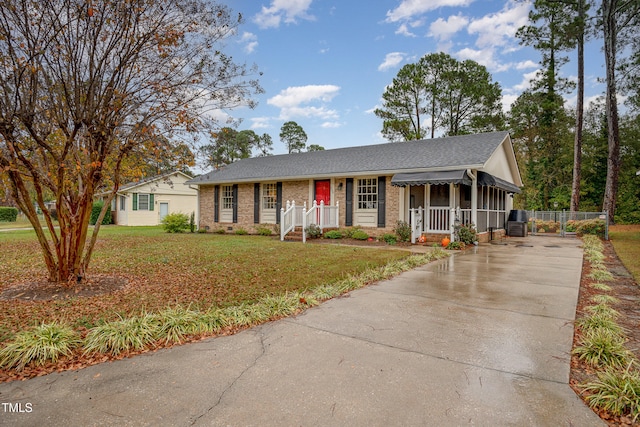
(326, 62)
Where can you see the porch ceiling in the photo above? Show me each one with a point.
(433, 177)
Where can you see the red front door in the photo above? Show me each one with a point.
(323, 192)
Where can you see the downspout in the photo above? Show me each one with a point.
(474, 197)
(197, 219)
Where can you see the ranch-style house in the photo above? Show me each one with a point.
(432, 184)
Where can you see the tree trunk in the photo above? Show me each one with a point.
(613, 161)
(577, 144)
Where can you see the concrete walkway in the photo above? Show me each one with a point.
(482, 338)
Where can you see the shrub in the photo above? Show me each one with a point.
(403, 230)
(175, 222)
(466, 234)
(241, 231)
(264, 230)
(219, 231)
(95, 213)
(389, 239)
(8, 213)
(333, 234)
(359, 235)
(348, 232)
(591, 226)
(456, 245)
(45, 343)
(313, 231)
(192, 222)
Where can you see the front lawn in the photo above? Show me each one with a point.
(626, 242)
(166, 270)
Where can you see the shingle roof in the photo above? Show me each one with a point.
(456, 152)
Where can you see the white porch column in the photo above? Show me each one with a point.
(474, 197)
(452, 208)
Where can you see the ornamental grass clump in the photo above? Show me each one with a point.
(601, 275)
(118, 336)
(600, 321)
(45, 343)
(603, 348)
(616, 391)
(177, 323)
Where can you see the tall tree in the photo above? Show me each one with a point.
(230, 145)
(83, 84)
(619, 17)
(293, 136)
(453, 97)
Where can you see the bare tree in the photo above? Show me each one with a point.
(83, 84)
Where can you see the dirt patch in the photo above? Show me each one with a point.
(43, 290)
(627, 291)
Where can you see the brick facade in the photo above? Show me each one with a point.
(300, 192)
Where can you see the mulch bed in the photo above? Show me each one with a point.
(625, 289)
(43, 290)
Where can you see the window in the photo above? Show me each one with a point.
(269, 192)
(368, 193)
(123, 201)
(227, 197)
(143, 202)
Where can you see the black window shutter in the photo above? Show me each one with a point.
(381, 200)
(278, 201)
(348, 217)
(256, 203)
(235, 203)
(216, 203)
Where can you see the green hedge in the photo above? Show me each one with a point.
(8, 214)
(95, 213)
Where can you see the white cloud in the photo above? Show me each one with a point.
(403, 30)
(250, 42)
(410, 8)
(331, 125)
(293, 101)
(288, 11)
(445, 29)
(260, 123)
(391, 60)
(524, 65)
(499, 29)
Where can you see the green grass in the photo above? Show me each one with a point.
(225, 281)
(189, 269)
(626, 242)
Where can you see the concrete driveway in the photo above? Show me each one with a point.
(482, 338)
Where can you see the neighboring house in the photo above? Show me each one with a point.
(148, 201)
(429, 183)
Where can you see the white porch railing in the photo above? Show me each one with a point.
(436, 220)
(298, 216)
(287, 219)
(431, 220)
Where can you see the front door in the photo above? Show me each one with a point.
(323, 192)
(164, 210)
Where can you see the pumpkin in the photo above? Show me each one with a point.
(422, 239)
(445, 242)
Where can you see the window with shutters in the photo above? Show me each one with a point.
(269, 196)
(143, 202)
(367, 193)
(227, 197)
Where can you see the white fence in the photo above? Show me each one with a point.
(298, 216)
